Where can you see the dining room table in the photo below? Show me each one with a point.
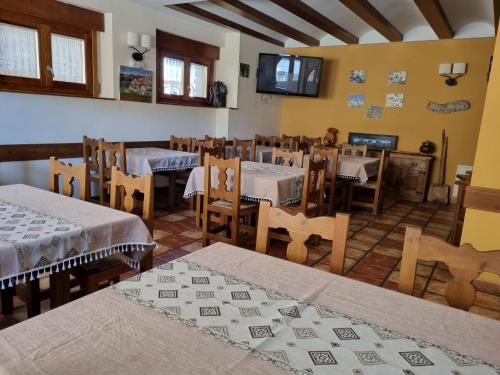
(228, 310)
(263, 154)
(45, 234)
(281, 185)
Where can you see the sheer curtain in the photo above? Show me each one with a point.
(18, 51)
(173, 76)
(198, 81)
(68, 59)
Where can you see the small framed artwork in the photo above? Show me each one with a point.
(394, 100)
(356, 101)
(136, 84)
(357, 76)
(374, 112)
(397, 78)
(244, 70)
(374, 141)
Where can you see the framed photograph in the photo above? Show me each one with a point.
(244, 70)
(397, 78)
(374, 111)
(357, 76)
(374, 141)
(136, 84)
(394, 100)
(356, 101)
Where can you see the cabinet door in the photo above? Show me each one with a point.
(394, 175)
(413, 182)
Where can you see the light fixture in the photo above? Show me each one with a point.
(452, 72)
(136, 41)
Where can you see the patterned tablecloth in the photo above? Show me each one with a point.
(263, 154)
(42, 232)
(259, 181)
(356, 168)
(147, 160)
(226, 310)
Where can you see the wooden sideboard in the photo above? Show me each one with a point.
(408, 175)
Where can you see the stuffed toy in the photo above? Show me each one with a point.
(330, 138)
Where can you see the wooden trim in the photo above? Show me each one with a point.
(26, 152)
(436, 17)
(481, 198)
(56, 11)
(368, 13)
(185, 46)
(202, 14)
(496, 13)
(317, 19)
(263, 19)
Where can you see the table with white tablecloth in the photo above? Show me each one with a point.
(227, 310)
(263, 154)
(148, 160)
(281, 185)
(354, 168)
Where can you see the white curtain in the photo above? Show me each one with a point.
(68, 59)
(173, 76)
(198, 81)
(18, 51)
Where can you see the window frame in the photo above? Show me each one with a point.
(45, 84)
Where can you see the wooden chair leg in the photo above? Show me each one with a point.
(235, 230)
(206, 225)
(350, 194)
(7, 296)
(33, 298)
(146, 262)
(59, 289)
(192, 203)
(171, 188)
(197, 218)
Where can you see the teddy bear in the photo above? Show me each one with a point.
(330, 138)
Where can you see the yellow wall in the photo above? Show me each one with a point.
(413, 123)
(482, 229)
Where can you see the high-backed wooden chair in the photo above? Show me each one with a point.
(197, 143)
(284, 143)
(221, 142)
(313, 188)
(112, 155)
(376, 184)
(295, 141)
(69, 173)
(223, 201)
(330, 154)
(300, 229)
(354, 150)
(181, 144)
(91, 156)
(262, 140)
(124, 197)
(465, 264)
(288, 158)
(248, 149)
(306, 143)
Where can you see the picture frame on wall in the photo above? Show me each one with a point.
(244, 70)
(374, 141)
(136, 84)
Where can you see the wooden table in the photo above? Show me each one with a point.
(44, 233)
(263, 154)
(145, 325)
(354, 168)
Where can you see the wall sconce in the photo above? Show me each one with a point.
(452, 72)
(136, 41)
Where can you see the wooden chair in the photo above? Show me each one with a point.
(225, 204)
(300, 229)
(463, 182)
(306, 143)
(465, 264)
(91, 156)
(330, 154)
(69, 174)
(247, 147)
(181, 144)
(124, 189)
(375, 184)
(295, 141)
(262, 140)
(111, 155)
(354, 150)
(284, 143)
(197, 143)
(288, 158)
(221, 142)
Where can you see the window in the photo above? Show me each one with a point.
(185, 69)
(48, 47)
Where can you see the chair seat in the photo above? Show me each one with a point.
(243, 205)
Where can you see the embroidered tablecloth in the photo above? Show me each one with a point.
(263, 154)
(42, 232)
(356, 168)
(107, 333)
(259, 181)
(147, 160)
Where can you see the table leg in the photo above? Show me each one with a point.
(7, 296)
(171, 189)
(59, 289)
(33, 297)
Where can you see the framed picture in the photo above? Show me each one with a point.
(374, 111)
(136, 84)
(356, 101)
(374, 141)
(244, 70)
(357, 76)
(397, 78)
(394, 100)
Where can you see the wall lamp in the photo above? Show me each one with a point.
(452, 72)
(136, 41)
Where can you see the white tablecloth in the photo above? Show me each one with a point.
(263, 154)
(259, 181)
(147, 160)
(40, 230)
(356, 168)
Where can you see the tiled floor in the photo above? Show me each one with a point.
(373, 255)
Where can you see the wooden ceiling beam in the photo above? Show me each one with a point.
(368, 13)
(263, 19)
(202, 14)
(317, 19)
(436, 17)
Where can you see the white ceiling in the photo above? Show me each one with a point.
(468, 18)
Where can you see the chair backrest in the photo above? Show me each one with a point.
(311, 202)
(465, 264)
(288, 158)
(330, 155)
(216, 151)
(295, 140)
(300, 229)
(382, 168)
(217, 141)
(247, 147)
(222, 189)
(262, 140)
(354, 150)
(112, 155)
(284, 143)
(123, 194)
(91, 152)
(306, 143)
(69, 174)
(181, 144)
(197, 143)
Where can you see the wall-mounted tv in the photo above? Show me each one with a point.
(289, 75)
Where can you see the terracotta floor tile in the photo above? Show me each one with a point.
(366, 238)
(353, 253)
(157, 234)
(194, 234)
(171, 255)
(391, 285)
(435, 298)
(493, 314)
(487, 300)
(192, 247)
(437, 287)
(382, 250)
(171, 227)
(441, 275)
(161, 249)
(381, 226)
(372, 270)
(393, 244)
(364, 278)
(423, 270)
(174, 241)
(373, 233)
(415, 222)
(174, 217)
(380, 260)
(358, 244)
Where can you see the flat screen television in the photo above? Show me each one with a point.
(289, 75)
